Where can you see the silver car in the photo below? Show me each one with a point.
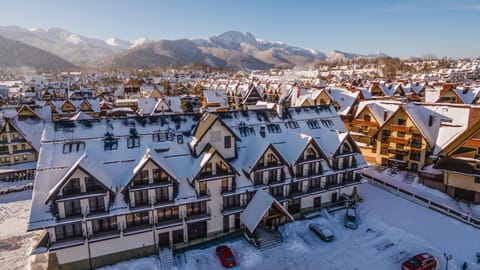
(323, 231)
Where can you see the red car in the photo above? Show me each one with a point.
(422, 261)
(225, 256)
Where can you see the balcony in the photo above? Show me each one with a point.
(397, 151)
(219, 175)
(231, 209)
(362, 122)
(199, 216)
(400, 128)
(167, 223)
(398, 140)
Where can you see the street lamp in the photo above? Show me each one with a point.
(447, 257)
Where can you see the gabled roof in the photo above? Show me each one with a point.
(145, 159)
(205, 158)
(257, 152)
(205, 123)
(258, 207)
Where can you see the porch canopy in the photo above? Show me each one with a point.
(258, 207)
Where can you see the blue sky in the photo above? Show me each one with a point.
(398, 28)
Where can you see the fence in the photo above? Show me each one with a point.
(426, 202)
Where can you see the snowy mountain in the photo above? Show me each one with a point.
(232, 49)
(73, 47)
(15, 54)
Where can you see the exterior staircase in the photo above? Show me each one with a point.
(410, 177)
(167, 261)
(267, 239)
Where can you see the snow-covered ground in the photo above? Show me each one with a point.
(391, 230)
(15, 242)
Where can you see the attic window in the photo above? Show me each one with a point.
(327, 123)
(274, 128)
(180, 139)
(133, 142)
(110, 144)
(73, 146)
(161, 136)
(313, 124)
(291, 124)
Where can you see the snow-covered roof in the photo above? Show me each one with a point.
(258, 207)
(115, 168)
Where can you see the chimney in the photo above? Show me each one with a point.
(385, 115)
(430, 120)
(280, 111)
(262, 131)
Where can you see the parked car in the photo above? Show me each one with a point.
(351, 218)
(225, 256)
(323, 231)
(422, 261)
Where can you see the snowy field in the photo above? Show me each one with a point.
(391, 229)
(15, 242)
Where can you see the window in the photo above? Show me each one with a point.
(231, 202)
(96, 204)
(159, 176)
(24, 157)
(72, 208)
(141, 178)
(274, 128)
(221, 167)
(272, 176)
(272, 159)
(161, 194)
(4, 137)
(141, 197)
(104, 225)
(24, 146)
(228, 141)
(315, 184)
(92, 184)
(133, 142)
(401, 122)
(137, 219)
(167, 214)
(75, 146)
(202, 186)
(277, 191)
(292, 124)
(68, 231)
(72, 187)
(313, 124)
(400, 134)
(196, 208)
(317, 202)
(258, 178)
(367, 117)
(207, 169)
(4, 149)
(110, 144)
(14, 147)
(331, 180)
(177, 236)
(311, 154)
(224, 185)
(159, 137)
(180, 139)
(16, 158)
(415, 155)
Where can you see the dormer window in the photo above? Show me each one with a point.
(110, 142)
(92, 185)
(159, 176)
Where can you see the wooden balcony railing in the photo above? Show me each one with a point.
(400, 128)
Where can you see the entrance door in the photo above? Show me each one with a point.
(197, 230)
(414, 166)
(164, 239)
(237, 221)
(334, 197)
